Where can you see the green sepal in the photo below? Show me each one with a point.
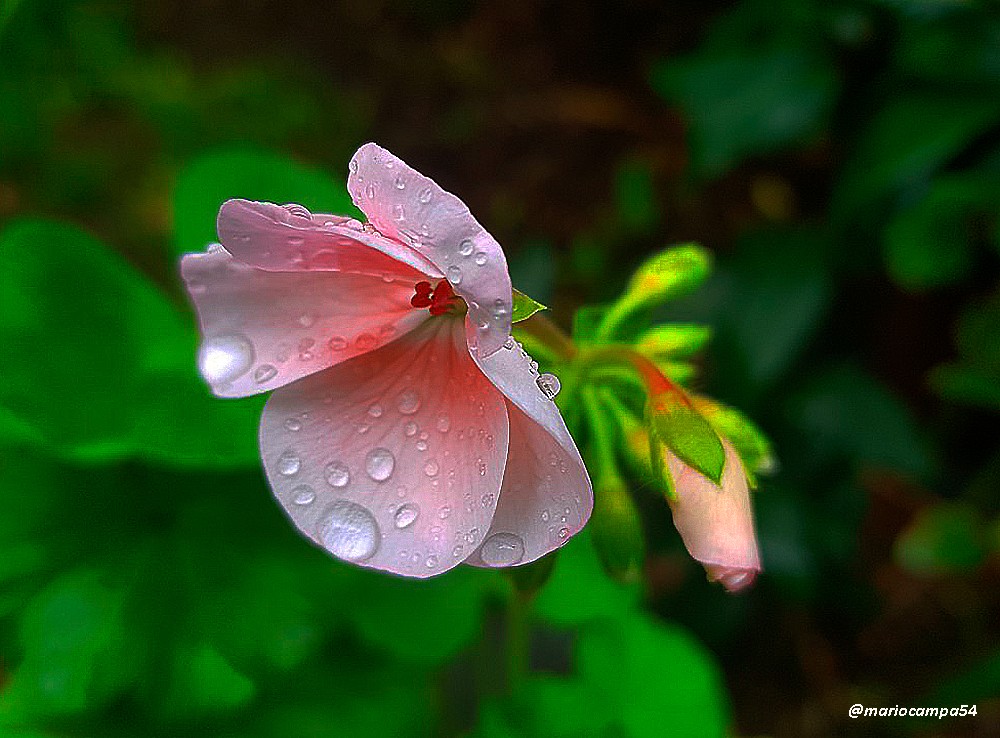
(524, 307)
(750, 442)
(660, 471)
(688, 435)
(530, 578)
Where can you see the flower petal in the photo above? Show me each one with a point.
(546, 495)
(407, 206)
(290, 238)
(262, 329)
(392, 460)
(716, 522)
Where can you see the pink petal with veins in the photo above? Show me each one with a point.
(546, 496)
(290, 238)
(392, 460)
(261, 330)
(407, 206)
(716, 522)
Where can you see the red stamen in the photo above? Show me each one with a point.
(441, 299)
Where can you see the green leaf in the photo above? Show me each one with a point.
(653, 679)
(635, 196)
(748, 102)
(930, 244)
(689, 436)
(634, 677)
(203, 683)
(252, 174)
(906, 141)
(942, 539)
(98, 364)
(78, 654)
(524, 307)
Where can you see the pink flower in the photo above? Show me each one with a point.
(716, 521)
(408, 431)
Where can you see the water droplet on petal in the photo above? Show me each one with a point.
(365, 341)
(406, 515)
(399, 212)
(337, 474)
(370, 191)
(375, 410)
(431, 468)
(293, 424)
(353, 166)
(465, 248)
(349, 531)
(443, 423)
(431, 561)
(379, 464)
(400, 183)
(444, 512)
(289, 463)
(306, 320)
(548, 384)
(410, 429)
(425, 195)
(298, 211)
(421, 445)
(409, 402)
(225, 358)
(481, 258)
(502, 549)
(303, 495)
(454, 274)
(337, 343)
(264, 373)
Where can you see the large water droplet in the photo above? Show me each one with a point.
(337, 474)
(379, 464)
(502, 549)
(303, 495)
(349, 531)
(224, 358)
(406, 515)
(454, 274)
(264, 373)
(465, 248)
(289, 463)
(409, 402)
(548, 384)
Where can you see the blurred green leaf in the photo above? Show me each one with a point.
(905, 142)
(634, 677)
(252, 174)
(98, 364)
(945, 538)
(524, 307)
(78, 652)
(202, 682)
(740, 103)
(975, 377)
(579, 591)
(845, 412)
(930, 244)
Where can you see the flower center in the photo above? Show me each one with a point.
(441, 299)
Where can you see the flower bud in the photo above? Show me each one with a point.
(715, 520)
(669, 274)
(616, 530)
(674, 340)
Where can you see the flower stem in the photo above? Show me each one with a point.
(518, 639)
(543, 330)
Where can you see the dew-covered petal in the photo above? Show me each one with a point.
(405, 205)
(402, 450)
(546, 496)
(290, 238)
(261, 330)
(716, 522)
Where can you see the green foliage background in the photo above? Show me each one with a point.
(842, 160)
